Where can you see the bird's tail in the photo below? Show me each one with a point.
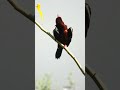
(58, 52)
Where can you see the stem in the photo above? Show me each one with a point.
(95, 78)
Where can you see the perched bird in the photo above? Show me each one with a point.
(87, 17)
(62, 34)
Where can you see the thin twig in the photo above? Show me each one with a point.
(27, 15)
(95, 78)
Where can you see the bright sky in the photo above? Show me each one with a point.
(73, 14)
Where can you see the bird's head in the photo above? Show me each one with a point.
(59, 20)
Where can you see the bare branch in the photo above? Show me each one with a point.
(28, 15)
(95, 78)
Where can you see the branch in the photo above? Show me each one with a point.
(95, 78)
(27, 15)
(88, 70)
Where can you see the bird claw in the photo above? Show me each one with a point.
(65, 46)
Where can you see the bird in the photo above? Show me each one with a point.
(63, 34)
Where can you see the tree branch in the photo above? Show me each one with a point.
(27, 15)
(95, 78)
(87, 69)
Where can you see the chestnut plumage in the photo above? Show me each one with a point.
(62, 34)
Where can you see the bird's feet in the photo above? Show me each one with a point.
(65, 46)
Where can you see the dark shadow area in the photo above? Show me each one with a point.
(102, 43)
(17, 48)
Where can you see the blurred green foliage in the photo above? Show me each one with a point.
(44, 83)
(71, 80)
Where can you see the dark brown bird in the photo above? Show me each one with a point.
(62, 34)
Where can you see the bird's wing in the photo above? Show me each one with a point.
(56, 34)
(70, 31)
